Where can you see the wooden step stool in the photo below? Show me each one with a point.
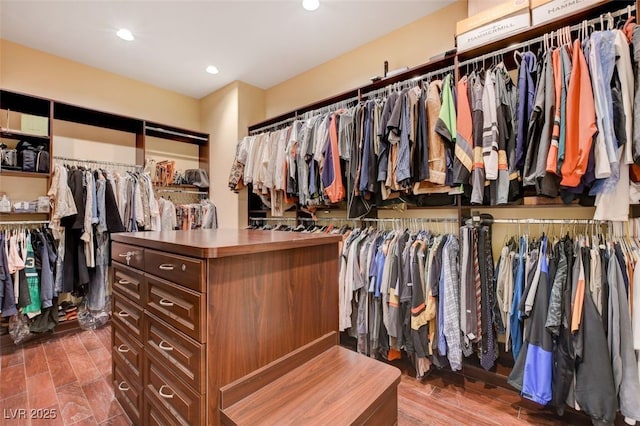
(321, 383)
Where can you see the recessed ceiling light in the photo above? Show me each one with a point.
(311, 5)
(212, 69)
(125, 34)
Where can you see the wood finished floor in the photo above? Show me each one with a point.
(71, 373)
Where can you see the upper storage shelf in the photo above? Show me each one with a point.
(26, 104)
(14, 106)
(76, 114)
(175, 133)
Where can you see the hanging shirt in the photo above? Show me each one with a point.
(526, 97)
(464, 137)
(33, 281)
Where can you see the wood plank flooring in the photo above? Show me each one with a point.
(71, 373)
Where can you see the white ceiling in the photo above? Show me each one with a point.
(261, 42)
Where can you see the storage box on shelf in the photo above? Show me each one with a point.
(543, 11)
(493, 24)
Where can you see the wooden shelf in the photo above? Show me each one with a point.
(18, 173)
(18, 134)
(23, 103)
(30, 214)
(175, 133)
(76, 114)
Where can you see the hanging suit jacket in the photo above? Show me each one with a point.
(625, 367)
(594, 388)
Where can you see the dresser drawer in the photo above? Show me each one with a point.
(127, 315)
(185, 356)
(167, 398)
(127, 254)
(129, 282)
(178, 306)
(185, 271)
(127, 351)
(127, 392)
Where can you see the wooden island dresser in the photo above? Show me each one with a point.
(196, 310)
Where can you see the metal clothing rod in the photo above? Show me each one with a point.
(181, 191)
(331, 107)
(415, 219)
(270, 126)
(171, 132)
(427, 76)
(328, 219)
(576, 27)
(274, 219)
(24, 222)
(107, 163)
(550, 221)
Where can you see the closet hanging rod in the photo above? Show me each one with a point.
(174, 133)
(331, 107)
(270, 126)
(181, 191)
(23, 222)
(415, 219)
(327, 219)
(106, 163)
(576, 27)
(403, 83)
(530, 221)
(274, 219)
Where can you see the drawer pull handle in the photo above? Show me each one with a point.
(123, 386)
(124, 282)
(165, 346)
(166, 302)
(167, 267)
(123, 314)
(128, 255)
(163, 394)
(123, 349)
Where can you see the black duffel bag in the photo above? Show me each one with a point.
(33, 158)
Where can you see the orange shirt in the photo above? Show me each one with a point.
(581, 121)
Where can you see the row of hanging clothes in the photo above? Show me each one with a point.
(87, 199)
(563, 127)
(570, 125)
(564, 303)
(373, 152)
(28, 255)
(181, 209)
(399, 289)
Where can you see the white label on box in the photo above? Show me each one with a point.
(493, 31)
(558, 8)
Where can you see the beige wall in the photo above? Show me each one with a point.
(225, 114)
(476, 6)
(31, 71)
(410, 45)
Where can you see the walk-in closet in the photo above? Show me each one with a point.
(372, 213)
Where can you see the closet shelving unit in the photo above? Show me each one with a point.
(500, 48)
(56, 110)
(12, 103)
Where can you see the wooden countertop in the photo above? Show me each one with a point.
(213, 243)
